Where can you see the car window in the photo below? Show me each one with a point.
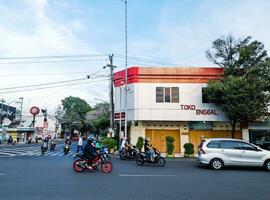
(214, 144)
(246, 146)
(228, 144)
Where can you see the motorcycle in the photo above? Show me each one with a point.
(105, 152)
(44, 148)
(100, 162)
(28, 141)
(52, 147)
(133, 155)
(142, 157)
(66, 148)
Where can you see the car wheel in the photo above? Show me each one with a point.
(267, 165)
(216, 164)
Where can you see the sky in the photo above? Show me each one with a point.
(165, 32)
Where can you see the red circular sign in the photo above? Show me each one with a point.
(34, 110)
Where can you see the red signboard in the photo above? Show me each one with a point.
(117, 116)
(34, 110)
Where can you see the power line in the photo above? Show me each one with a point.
(93, 75)
(45, 74)
(49, 61)
(46, 57)
(144, 60)
(49, 87)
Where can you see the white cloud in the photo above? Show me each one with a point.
(44, 36)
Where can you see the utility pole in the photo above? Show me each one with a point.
(21, 98)
(111, 66)
(2, 105)
(126, 77)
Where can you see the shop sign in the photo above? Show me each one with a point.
(117, 116)
(34, 110)
(199, 111)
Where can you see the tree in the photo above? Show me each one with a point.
(236, 56)
(99, 118)
(243, 92)
(240, 99)
(75, 110)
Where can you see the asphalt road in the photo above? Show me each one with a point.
(37, 177)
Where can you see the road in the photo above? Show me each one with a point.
(51, 177)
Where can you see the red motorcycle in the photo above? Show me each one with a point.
(100, 162)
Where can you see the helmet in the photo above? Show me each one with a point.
(147, 139)
(90, 139)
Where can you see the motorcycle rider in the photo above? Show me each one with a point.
(45, 143)
(123, 145)
(89, 151)
(68, 141)
(148, 149)
(128, 147)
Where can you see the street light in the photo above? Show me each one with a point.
(101, 100)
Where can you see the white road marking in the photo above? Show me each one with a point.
(1, 174)
(54, 154)
(6, 154)
(147, 175)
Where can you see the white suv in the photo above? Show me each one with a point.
(220, 152)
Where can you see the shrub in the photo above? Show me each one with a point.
(139, 143)
(170, 146)
(189, 149)
(110, 143)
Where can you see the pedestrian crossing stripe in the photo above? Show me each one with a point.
(30, 151)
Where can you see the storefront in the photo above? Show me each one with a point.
(259, 134)
(171, 102)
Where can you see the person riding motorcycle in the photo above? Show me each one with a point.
(90, 151)
(68, 141)
(148, 149)
(128, 147)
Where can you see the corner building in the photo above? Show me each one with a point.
(170, 102)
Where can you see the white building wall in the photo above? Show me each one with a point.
(142, 104)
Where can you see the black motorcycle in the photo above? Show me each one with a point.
(132, 154)
(66, 148)
(52, 147)
(44, 148)
(142, 157)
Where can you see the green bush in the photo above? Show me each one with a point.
(110, 143)
(170, 146)
(189, 149)
(139, 143)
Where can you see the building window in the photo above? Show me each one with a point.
(205, 98)
(159, 95)
(167, 94)
(175, 95)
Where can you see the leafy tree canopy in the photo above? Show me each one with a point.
(244, 92)
(236, 56)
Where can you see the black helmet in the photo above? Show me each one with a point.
(90, 139)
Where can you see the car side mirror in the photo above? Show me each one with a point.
(257, 149)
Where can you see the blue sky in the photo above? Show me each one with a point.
(175, 31)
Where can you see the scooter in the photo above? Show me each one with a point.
(128, 155)
(52, 147)
(44, 148)
(142, 157)
(66, 148)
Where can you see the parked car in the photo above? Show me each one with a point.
(220, 152)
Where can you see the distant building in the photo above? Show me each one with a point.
(171, 102)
